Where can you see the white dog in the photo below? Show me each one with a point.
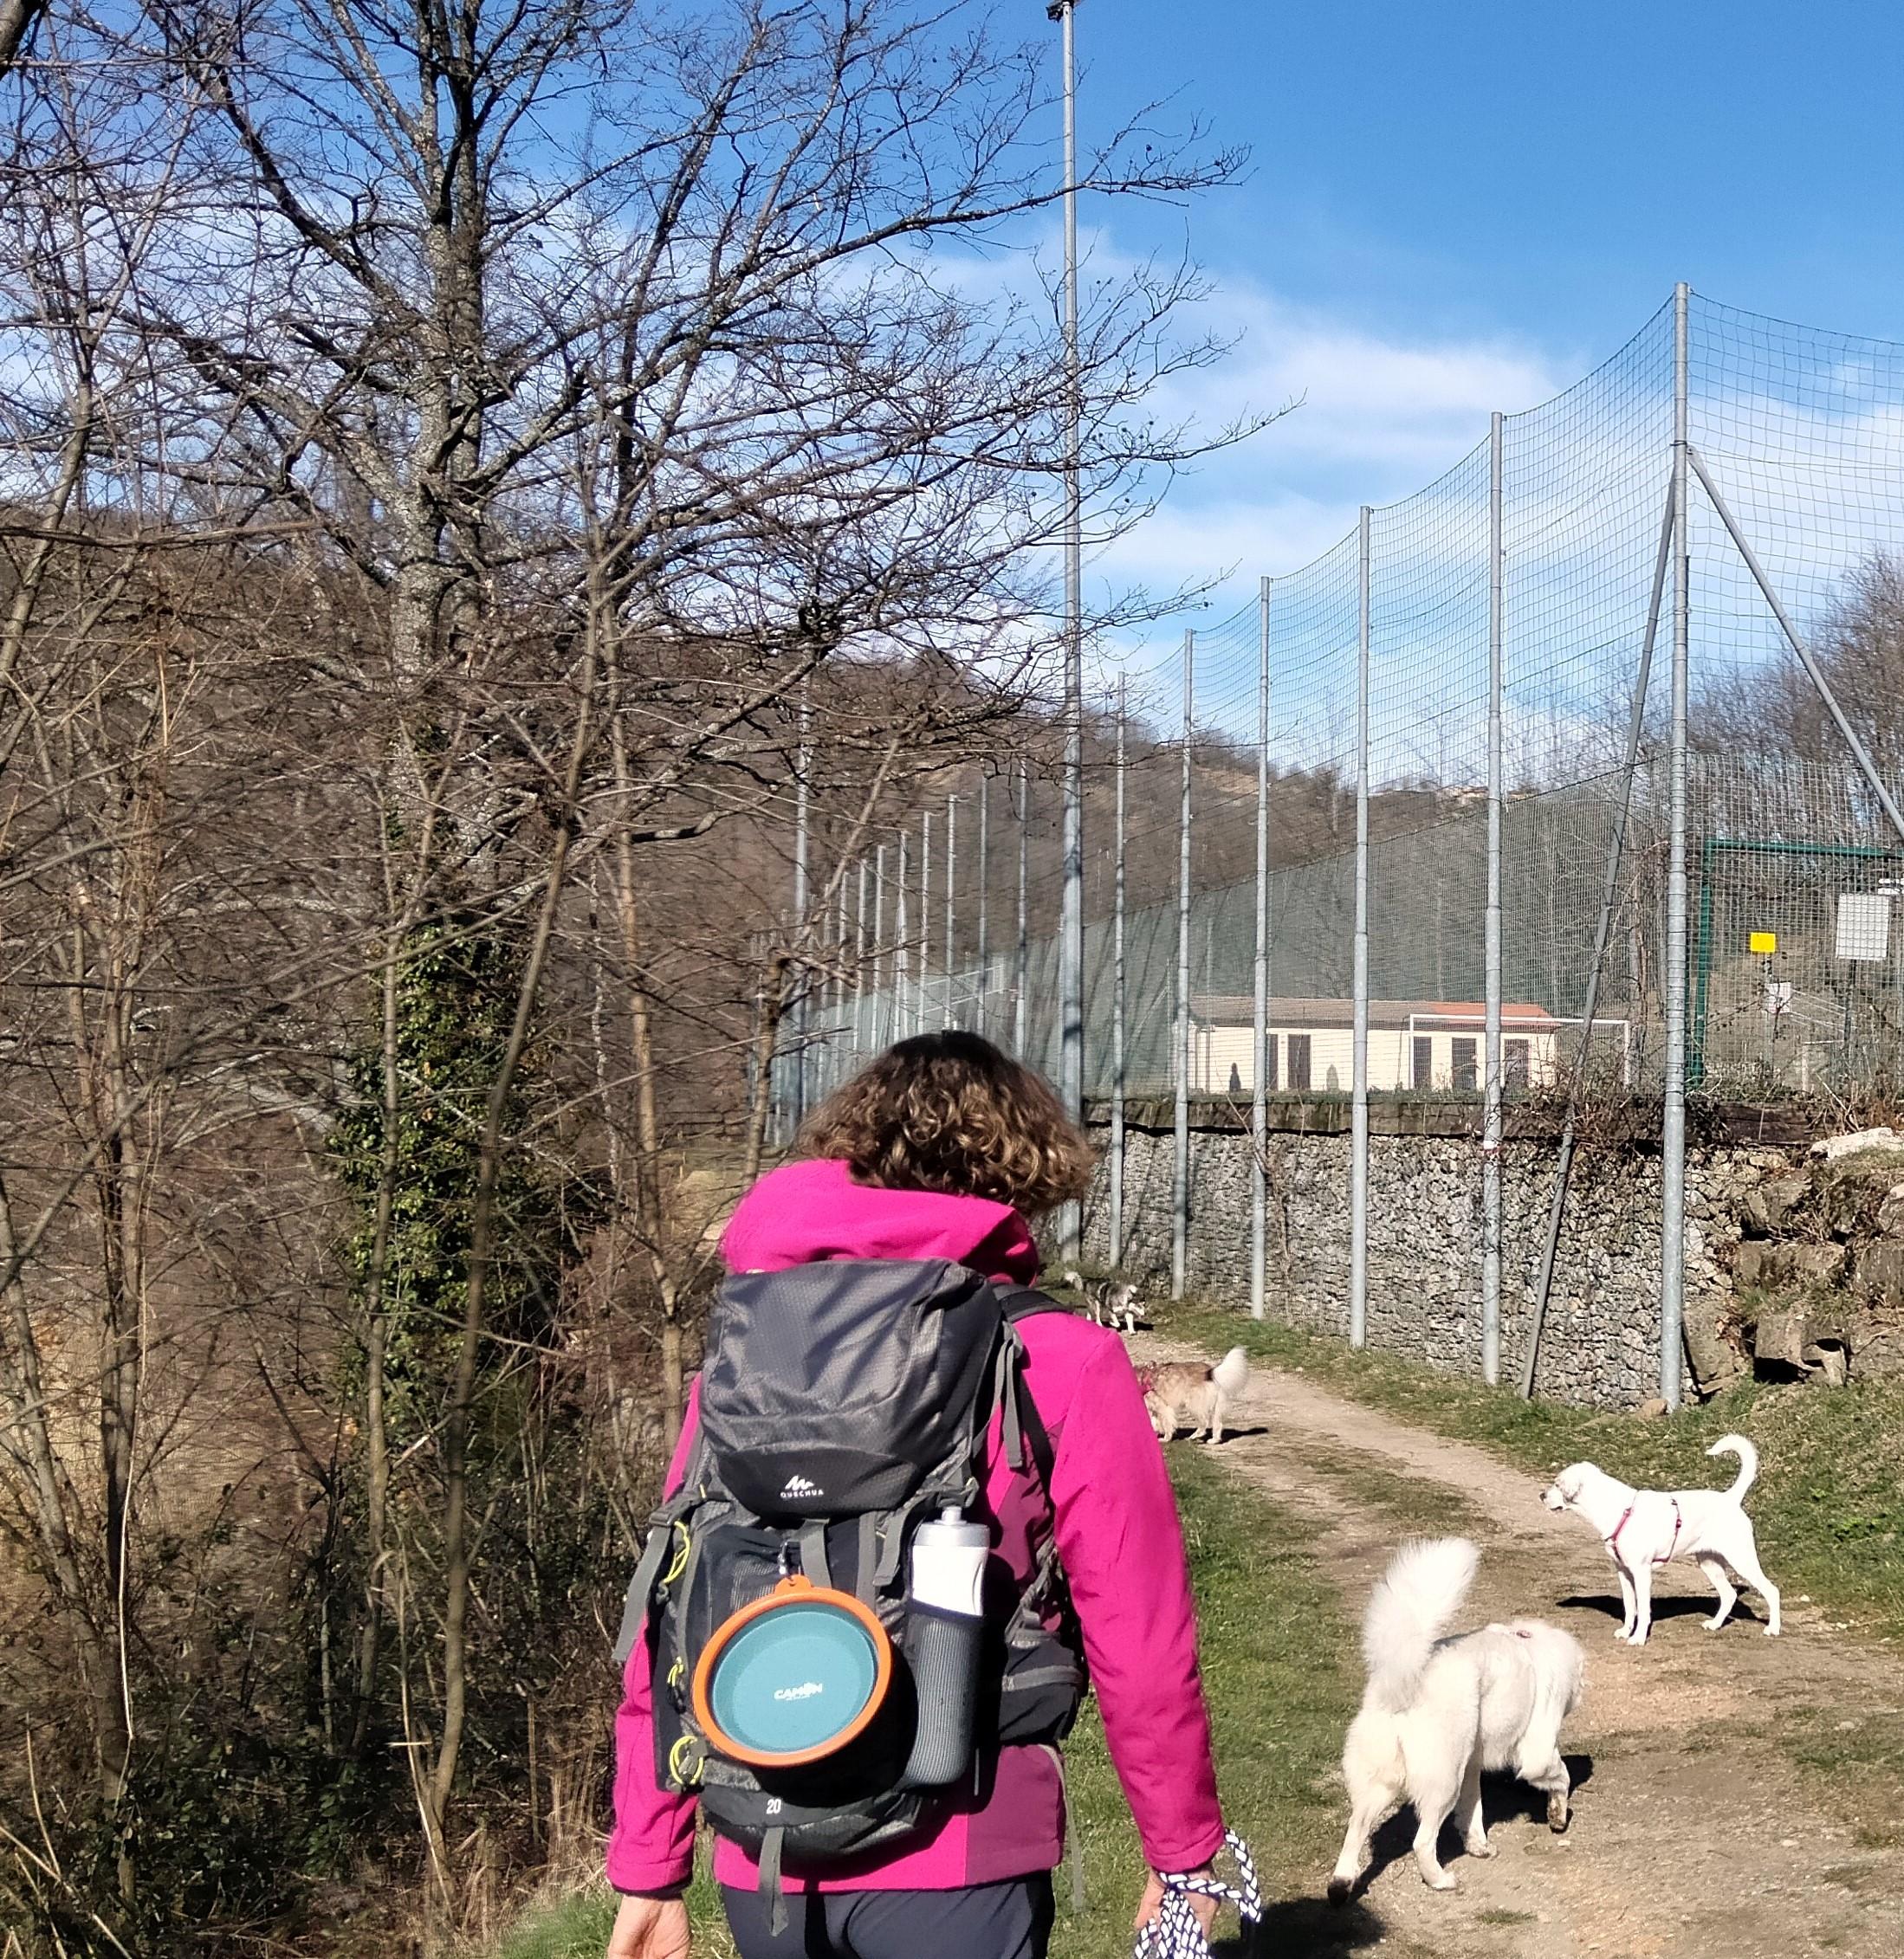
(1645, 1528)
(1195, 1389)
(1437, 1712)
(1108, 1303)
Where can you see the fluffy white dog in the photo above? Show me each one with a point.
(1645, 1528)
(1437, 1712)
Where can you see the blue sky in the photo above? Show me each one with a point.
(1459, 206)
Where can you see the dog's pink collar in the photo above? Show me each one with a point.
(1666, 1557)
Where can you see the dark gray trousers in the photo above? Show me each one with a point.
(1006, 1921)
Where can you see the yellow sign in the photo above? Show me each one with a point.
(1764, 941)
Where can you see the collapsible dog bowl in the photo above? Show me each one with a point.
(791, 1678)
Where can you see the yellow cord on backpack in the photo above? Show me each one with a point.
(680, 1562)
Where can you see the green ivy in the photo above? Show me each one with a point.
(456, 998)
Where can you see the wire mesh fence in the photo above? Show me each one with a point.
(1655, 624)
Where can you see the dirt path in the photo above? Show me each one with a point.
(1695, 1835)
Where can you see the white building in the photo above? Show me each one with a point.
(1428, 1046)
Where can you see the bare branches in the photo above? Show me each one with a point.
(441, 444)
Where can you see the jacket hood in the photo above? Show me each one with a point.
(805, 1214)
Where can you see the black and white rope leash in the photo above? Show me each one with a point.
(1175, 1933)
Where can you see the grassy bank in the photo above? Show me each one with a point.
(1828, 1505)
(1280, 1667)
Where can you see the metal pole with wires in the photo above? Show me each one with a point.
(1358, 1116)
(859, 967)
(902, 951)
(795, 1113)
(1180, 1036)
(1259, 1099)
(982, 1019)
(923, 989)
(878, 1018)
(1021, 965)
(1070, 928)
(836, 1009)
(1491, 1090)
(1673, 1179)
(946, 1014)
(1117, 1055)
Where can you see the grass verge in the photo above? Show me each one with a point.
(1280, 1672)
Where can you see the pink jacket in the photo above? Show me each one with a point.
(1117, 1535)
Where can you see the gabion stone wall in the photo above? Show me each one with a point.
(1601, 1347)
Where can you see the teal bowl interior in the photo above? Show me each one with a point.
(794, 1679)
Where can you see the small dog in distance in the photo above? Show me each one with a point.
(1194, 1390)
(1110, 1302)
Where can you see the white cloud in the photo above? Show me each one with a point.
(1378, 417)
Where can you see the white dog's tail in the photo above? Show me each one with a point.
(1231, 1374)
(1410, 1609)
(1748, 1463)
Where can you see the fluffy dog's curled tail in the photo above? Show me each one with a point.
(1231, 1374)
(1748, 1463)
(1410, 1609)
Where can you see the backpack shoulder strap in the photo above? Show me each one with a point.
(667, 1520)
(1016, 1303)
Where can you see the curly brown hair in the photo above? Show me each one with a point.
(951, 1112)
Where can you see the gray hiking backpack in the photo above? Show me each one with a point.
(842, 1405)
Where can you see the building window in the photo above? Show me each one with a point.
(1515, 1063)
(1424, 1062)
(1269, 1063)
(1466, 1074)
(1298, 1061)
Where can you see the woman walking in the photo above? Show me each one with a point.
(943, 1149)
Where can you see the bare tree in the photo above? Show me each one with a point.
(441, 447)
(1858, 644)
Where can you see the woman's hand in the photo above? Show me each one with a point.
(1205, 1908)
(650, 1928)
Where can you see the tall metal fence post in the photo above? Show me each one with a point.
(1117, 1055)
(1021, 968)
(793, 1112)
(1358, 1119)
(877, 1018)
(859, 967)
(1179, 1035)
(981, 1021)
(1259, 1101)
(837, 1015)
(1672, 1177)
(1071, 917)
(1490, 1112)
(947, 1016)
(921, 991)
(901, 950)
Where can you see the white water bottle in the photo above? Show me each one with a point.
(945, 1630)
(949, 1563)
